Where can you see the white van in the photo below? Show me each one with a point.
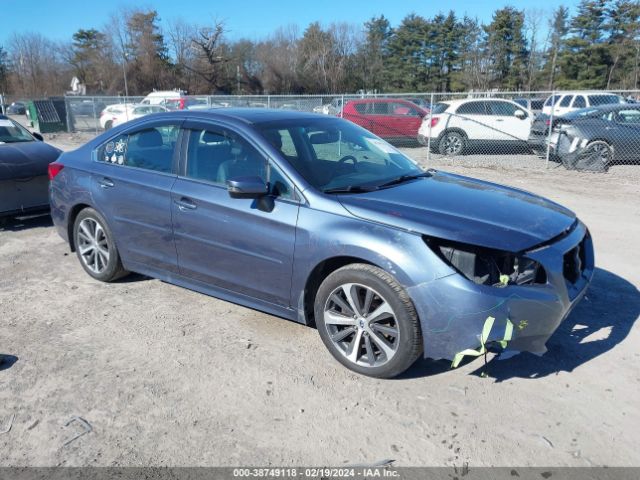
(565, 102)
(161, 96)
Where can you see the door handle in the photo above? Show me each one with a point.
(106, 183)
(499, 119)
(185, 204)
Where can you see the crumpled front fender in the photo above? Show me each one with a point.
(453, 309)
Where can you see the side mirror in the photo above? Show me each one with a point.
(247, 187)
(37, 136)
(520, 114)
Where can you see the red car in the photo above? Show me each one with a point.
(391, 119)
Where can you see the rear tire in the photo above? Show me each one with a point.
(367, 321)
(108, 125)
(452, 144)
(95, 247)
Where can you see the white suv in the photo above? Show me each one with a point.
(565, 102)
(460, 126)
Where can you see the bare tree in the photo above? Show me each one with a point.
(210, 57)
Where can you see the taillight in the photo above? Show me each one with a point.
(547, 122)
(54, 169)
(434, 121)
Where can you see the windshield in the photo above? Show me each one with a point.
(334, 154)
(12, 132)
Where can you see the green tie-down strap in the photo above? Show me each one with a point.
(486, 330)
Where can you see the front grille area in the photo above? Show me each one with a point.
(574, 262)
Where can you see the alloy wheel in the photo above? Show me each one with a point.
(452, 145)
(362, 325)
(93, 245)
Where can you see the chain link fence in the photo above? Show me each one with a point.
(592, 131)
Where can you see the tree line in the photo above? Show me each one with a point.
(596, 48)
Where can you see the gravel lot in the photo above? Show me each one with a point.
(166, 376)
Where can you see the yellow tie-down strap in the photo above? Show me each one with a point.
(486, 330)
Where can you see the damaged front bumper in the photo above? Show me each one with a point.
(453, 309)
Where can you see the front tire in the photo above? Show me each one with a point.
(367, 321)
(95, 247)
(452, 144)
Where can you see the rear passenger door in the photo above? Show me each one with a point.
(242, 245)
(131, 186)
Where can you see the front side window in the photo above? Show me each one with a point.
(402, 109)
(596, 100)
(217, 156)
(149, 149)
(503, 109)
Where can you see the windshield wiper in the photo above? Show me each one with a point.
(351, 189)
(404, 178)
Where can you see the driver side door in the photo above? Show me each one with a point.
(242, 245)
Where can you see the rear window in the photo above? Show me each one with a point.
(595, 100)
(440, 107)
(552, 100)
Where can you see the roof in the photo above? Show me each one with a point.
(251, 115)
(460, 101)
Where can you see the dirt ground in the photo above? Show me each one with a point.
(166, 376)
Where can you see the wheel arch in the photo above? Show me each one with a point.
(317, 275)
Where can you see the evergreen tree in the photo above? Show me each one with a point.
(507, 49)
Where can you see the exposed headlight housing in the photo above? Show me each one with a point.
(485, 266)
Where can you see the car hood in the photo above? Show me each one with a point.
(26, 159)
(465, 210)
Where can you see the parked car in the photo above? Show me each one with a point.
(565, 102)
(24, 159)
(160, 96)
(137, 111)
(87, 108)
(392, 119)
(17, 108)
(113, 112)
(457, 127)
(595, 138)
(185, 103)
(532, 104)
(332, 108)
(317, 220)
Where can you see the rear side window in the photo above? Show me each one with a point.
(403, 109)
(472, 108)
(579, 102)
(566, 100)
(149, 149)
